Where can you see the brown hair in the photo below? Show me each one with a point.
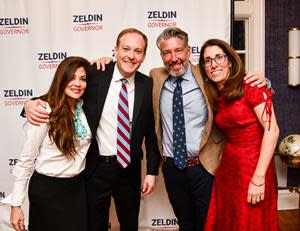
(61, 124)
(132, 31)
(233, 88)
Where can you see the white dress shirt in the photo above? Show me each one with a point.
(107, 129)
(41, 155)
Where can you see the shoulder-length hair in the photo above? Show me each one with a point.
(233, 88)
(61, 122)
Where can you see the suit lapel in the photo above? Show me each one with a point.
(159, 76)
(158, 84)
(138, 97)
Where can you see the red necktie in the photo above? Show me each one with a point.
(123, 128)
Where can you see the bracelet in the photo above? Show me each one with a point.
(255, 184)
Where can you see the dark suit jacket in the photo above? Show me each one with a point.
(98, 83)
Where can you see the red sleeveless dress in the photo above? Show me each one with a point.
(229, 209)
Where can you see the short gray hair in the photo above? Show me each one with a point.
(173, 32)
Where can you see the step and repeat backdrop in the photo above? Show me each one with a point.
(35, 36)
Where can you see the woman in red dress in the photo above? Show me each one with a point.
(244, 195)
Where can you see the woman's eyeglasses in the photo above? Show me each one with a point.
(219, 59)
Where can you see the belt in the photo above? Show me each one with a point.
(190, 162)
(106, 159)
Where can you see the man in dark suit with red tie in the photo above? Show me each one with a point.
(118, 106)
(107, 177)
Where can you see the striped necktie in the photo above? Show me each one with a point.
(123, 129)
(179, 139)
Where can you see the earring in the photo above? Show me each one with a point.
(206, 79)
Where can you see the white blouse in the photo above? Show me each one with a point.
(41, 155)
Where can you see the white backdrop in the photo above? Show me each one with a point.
(35, 35)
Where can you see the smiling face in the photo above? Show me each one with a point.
(130, 53)
(76, 87)
(217, 72)
(175, 55)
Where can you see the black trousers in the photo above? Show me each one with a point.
(57, 203)
(110, 180)
(189, 192)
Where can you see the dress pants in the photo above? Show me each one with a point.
(109, 179)
(189, 192)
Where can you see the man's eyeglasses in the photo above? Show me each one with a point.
(219, 59)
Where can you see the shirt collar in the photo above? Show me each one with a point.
(117, 76)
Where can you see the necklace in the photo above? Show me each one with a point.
(80, 129)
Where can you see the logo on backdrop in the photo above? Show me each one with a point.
(87, 22)
(16, 97)
(161, 19)
(14, 26)
(195, 54)
(50, 60)
(11, 163)
(159, 222)
(2, 195)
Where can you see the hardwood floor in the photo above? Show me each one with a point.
(289, 220)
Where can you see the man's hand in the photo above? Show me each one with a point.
(36, 112)
(148, 185)
(101, 62)
(256, 79)
(17, 218)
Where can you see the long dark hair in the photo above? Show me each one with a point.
(233, 88)
(61, 123)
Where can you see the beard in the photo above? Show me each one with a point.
(179, 72)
